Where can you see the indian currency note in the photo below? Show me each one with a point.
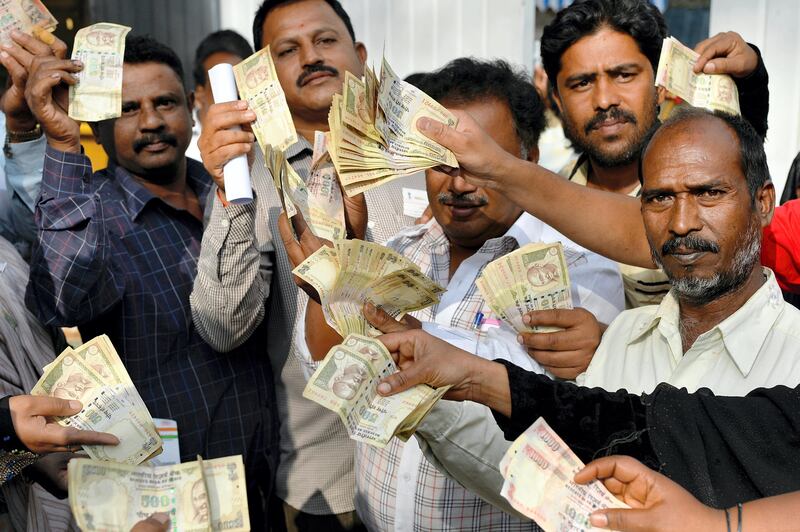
(675, 73)
(258, 83)
(98, 94)
(534, 277)
(346, 382)
(198, 496)
(539, 469)
(26, 16)
(112, 411)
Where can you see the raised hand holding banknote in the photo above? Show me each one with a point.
(657, 503)
(726, 53)
(17, 56)
(47, 94)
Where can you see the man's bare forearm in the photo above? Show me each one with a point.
(605, 222)
(490, 387)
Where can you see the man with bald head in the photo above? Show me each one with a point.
(706, 195)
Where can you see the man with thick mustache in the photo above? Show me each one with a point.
(312, 44)
(117, 254)
(397, 488)
(600, 57)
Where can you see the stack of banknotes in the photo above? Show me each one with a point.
(346, 382)
(26, 16)
(716, 92)
(538, 470)
(354, 272)
(373, 129)
(319, 198)
(202, 495)
(94, 375)
(98, 93)
(533, 277)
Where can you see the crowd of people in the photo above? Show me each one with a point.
(675, 376)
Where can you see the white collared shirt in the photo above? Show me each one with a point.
(397, 488)
(756, 346)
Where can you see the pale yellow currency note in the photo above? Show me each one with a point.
(258, 83)
(98, 93)
(675, 73)
(198, 497)
(539, 469)
(346, 382)
(25, 16)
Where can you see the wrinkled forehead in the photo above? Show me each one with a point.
(693, 150)
(294, 20)
(147, 79)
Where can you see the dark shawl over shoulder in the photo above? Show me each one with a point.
(723, 450)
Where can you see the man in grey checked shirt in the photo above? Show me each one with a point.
(397, 488)
(312, 44)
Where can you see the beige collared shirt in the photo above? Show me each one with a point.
(756, 346)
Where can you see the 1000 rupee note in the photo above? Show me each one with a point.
(26, 16)
(95, 375)
(533, 277)
(711, 91)
(98, 93)
(198, 496)
(258, 83)
(538, 470)
(346, 383)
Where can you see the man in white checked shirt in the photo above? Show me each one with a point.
(312, 44)
(397, 488)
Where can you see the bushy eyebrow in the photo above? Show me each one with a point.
(612, 71)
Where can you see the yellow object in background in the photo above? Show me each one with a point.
(92, 149)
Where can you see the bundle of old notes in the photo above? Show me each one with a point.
(675, 73)
(202, 495)
(538, 470)
(354, 272)
(98, 93)
(373, 129)
(94, 375)
(319, 198)
(26, 16)
(534, 277)
(346, 382)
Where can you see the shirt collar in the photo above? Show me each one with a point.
(298, 148)
(137, 196)
(743, 332)
(580, 175)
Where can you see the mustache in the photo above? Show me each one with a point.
(615, 113)
(152, 138)
(313, 69)
(470, 199)
(691, 243)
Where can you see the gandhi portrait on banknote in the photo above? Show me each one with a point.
(346, 384)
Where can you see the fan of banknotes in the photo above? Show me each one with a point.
(354, 272)
(201, 495)
(716, 92)
(26, 16)
(533, 277)
(538, 470)
(94, 375)
(346, 382)
(373, 129)
(319, 198)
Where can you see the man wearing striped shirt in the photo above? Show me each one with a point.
(397, 488)
(313, 44)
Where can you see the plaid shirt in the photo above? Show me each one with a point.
(114, 258)
(398, 489)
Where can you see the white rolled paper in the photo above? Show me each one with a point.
(236, 172)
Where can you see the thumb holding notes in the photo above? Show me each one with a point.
(31, 418)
